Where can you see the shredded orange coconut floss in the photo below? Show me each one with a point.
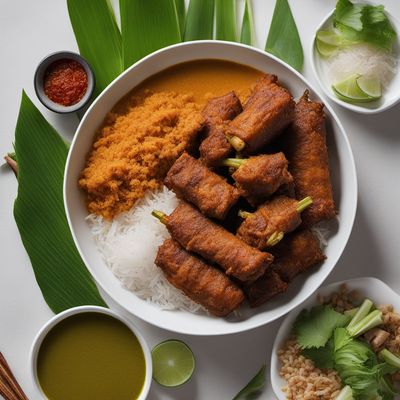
(134, 149)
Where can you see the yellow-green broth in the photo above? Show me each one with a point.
(91, 356)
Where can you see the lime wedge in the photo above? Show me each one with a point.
(349, 90)
(327, 43)
(370, 85)
(173, 363)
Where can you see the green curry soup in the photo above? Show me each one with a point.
(91, 356)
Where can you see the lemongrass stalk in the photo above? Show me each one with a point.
(237, 143)
(275, 238)
(162, 217)
(390, 358)
(362, 312)
(303, 204)
(351, 313)
(244, 214)
(233, 162)
(372, 320)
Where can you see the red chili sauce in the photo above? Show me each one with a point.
(65, 82)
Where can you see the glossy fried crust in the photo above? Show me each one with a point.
(264, 288)
(260, 176)
(217, 111)
(305, 148)
(266, 113)
(194, 182)
(222, 108)
(199, 281)
(197, 233)
(296, 253)
(278, 215)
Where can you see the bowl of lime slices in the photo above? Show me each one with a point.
(355, 54)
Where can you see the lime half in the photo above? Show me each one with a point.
(173, 363)
(349, 90)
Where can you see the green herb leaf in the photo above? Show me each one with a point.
(322, 357)
(40, 215)
(254, 386)
(315, 327)
(363, 23)
(98, 38)
(225, 21)
(283, 38)
(181, 12)
(199, 20)
(147, 26)
(246, 35)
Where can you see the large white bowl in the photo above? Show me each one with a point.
(368, 287)
(343, 177)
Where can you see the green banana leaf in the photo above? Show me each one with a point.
(246, 35)
(147, 26)
(225, 20)
(283, 38)
(40, 216)
(98, 38)
(199, 20)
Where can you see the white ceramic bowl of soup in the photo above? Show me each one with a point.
(53, 322)
(368, 287)
(343, 176)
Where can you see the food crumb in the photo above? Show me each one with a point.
(133, 150)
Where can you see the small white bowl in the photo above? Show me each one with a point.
(391, 94)
(369, 287)
(88, 309)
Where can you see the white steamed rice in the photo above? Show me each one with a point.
(129, 244)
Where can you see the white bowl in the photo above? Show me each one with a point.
(391, 94)
(343, 177)
(372, 288)
(86, 309)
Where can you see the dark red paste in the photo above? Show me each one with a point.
(65, 82)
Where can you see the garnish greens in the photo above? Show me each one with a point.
(314, 328)
(255, 385)
(330, 341)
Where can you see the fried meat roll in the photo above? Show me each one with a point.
(266, 113)
(217, 111)
(204, 284)
(296, 253)
(194, 182)
(305, 148)
(277, 215)
(197, 233)
(221, 108)
(264, 288)
(260, 176)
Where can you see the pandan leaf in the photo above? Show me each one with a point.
(147, 26)
(283, 38)
(98, 38)
(181, 12)
(40, 216)
(225, 21)
(199, 20)
(247, 33)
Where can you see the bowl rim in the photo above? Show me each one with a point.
(331, 96)
(38, 85)
(351, 170)
(287, 322)
(56, 319)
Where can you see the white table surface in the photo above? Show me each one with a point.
(29, 30)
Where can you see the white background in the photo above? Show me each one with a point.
(29, 30)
